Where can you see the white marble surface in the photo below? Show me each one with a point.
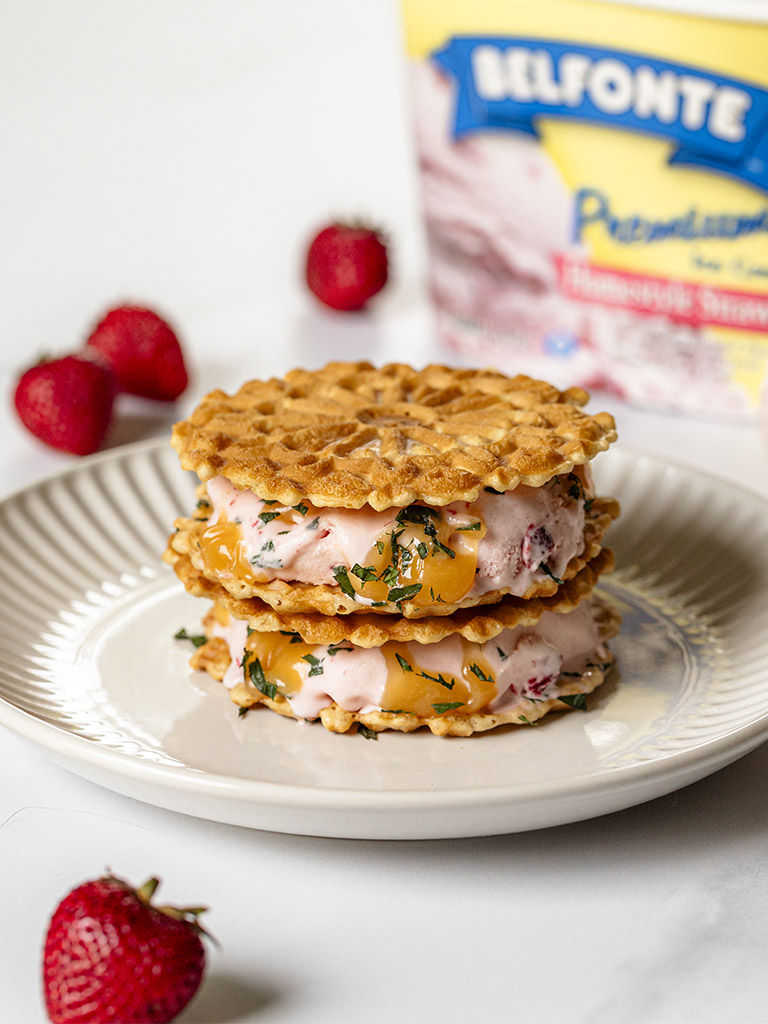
(179, 154)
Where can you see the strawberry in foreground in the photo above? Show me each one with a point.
(67, 402)
(143, 351)
(346, 265)
(110, 956)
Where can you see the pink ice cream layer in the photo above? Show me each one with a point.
(526, 528)
(527, 663)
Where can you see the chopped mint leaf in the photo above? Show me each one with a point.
(404, 665)
(369, 734)
(575, 700)
(341, 576)
(431, 532)
(301, 508)
(419, 514)
(437, 598)
(198, 639)
(548, 572)
(282, 533)
(422, 549)
(403, 593)
(242, 712)
(380, 546)
(335, 648)
(314, 524)
(526, 721)
(390, 575)
(316, 663)
(472, 526)
(364, 572)
(476, 670)
(502, 655)
(265, 502)
(442, 708)
(256, 672)
(267, 517)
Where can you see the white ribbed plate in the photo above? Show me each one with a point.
(91, 673)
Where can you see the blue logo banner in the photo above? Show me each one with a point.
(505, 83)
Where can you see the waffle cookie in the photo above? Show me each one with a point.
(426, 541)
(351, 489)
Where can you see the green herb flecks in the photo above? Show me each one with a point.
(253, 671)
(267, 517)
(577, 492)
(301, 508)
(198, 639)
(366, 573)
(341, 576)
(314, 524)
(477, 671)
(369, 734)
(406, 666)
(466, 529)
(502, 654)
(262, 558)
(334, 649)
(451, 706)
(316, 664)
(398, 594)
(548, 572)
(575, 700)
(418, 514)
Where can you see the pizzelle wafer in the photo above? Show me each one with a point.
(374, 629)
(351, 435)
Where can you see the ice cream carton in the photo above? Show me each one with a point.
(595, 190)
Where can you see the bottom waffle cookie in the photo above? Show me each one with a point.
(517, 662)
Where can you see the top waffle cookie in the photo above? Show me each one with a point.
(350, 434)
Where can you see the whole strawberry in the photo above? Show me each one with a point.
(346, 265)
(143, 351)
(67, 402)
(112, 957)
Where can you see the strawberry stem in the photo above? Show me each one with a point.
(147, 891)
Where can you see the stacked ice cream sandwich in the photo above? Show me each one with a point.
(398, 548)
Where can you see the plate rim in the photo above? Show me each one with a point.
(697, 760)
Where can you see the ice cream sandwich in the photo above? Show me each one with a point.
(382, 518)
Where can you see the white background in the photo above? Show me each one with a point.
(180, 155)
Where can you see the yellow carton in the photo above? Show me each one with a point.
(595, 183)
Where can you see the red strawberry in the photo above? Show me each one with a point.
(110, 956)
(346, 265)
(67, 402)
(143, 351)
